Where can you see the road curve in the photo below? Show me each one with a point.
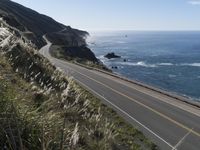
(168, 122)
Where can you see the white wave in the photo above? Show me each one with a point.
(191, 64)
(165, 64)
(102, 59)
(149, 65)
(143, 64)
(140, 63)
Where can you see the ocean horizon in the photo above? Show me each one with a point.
(168, 60)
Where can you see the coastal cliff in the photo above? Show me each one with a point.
(31, 26)
(41, 108)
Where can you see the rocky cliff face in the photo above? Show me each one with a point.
(30, 26)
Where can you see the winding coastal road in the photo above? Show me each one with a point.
(168, 122)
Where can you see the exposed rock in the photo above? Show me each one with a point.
(31, 26)
(34, 25)
(68, 37)
(81, 52)
(114, 67)
(112, 55)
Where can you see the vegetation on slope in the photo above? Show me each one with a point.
(67, 119)
(42, 109)
(31, 26)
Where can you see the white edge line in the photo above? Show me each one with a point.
(184, 109)
(149, 130)
(160, 99)
(146, 93)
(127, 115)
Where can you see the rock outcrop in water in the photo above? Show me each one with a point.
(112, 55)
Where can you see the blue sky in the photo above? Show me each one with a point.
(121, 14)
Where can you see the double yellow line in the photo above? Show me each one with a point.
(149, 108)
(141, 104)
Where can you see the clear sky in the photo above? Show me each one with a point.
(121, 14)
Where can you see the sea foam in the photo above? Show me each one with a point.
(140, 63)
(191, 64)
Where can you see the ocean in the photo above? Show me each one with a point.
(164, 59)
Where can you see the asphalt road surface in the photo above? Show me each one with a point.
(168, 122)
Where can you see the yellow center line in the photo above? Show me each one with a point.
(157, 98)
(141, 104)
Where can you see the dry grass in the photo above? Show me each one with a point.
(70, 119)
(42, 109)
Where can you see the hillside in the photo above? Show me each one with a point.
(31, 26)
(41, 108)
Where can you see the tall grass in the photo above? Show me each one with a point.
(51, 111)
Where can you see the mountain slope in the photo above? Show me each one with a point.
(41, 108)
(26, 19)
(33, 25)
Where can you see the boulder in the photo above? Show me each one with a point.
(111, 55)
